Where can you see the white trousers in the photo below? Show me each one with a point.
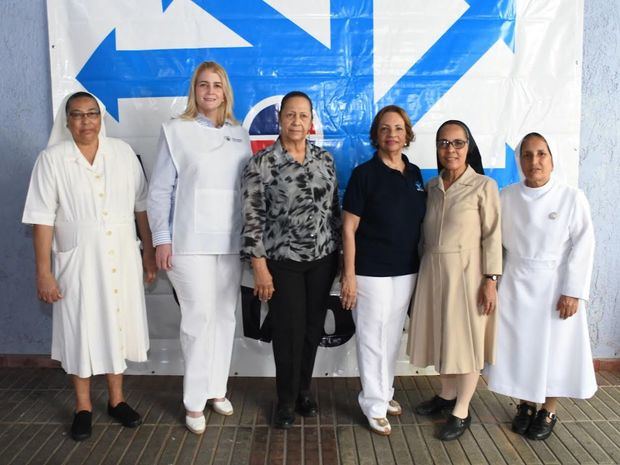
(208, 290)
(379, 316)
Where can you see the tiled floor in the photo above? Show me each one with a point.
(36, 405)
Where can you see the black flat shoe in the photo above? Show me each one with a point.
(81, 428)
(524, 417)
(125, 415)
(454, 427)
(435, 405)
(542, 426)
(285, 417)
(306, 407)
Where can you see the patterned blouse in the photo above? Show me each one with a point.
(290, 210)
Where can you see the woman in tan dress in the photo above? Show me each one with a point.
(453, 319)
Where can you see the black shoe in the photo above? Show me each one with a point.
(454, 427)
(542, 426)
(435, 405)
(285, 417)
(81, 428)
(524, 417)
(306, 406)
(124, 414)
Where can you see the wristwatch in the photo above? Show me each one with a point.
(492, 277)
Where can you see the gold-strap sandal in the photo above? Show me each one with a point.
(394, 408)
(380, 426)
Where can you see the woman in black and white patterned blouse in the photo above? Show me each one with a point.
(291, 236)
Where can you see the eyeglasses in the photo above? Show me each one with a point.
(78, 115)
(456, 143)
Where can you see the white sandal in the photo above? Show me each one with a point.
(394, 408)
(223, 407)
(380, 426)
(196, 425)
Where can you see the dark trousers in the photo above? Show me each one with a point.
(298, 308)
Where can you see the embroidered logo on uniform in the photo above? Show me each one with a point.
(419, 186)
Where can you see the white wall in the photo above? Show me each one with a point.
(600, 167)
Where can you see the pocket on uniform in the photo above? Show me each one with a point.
(216, 210)
(64, 263)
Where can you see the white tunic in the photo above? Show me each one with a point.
(195, 184)
(548, 239)
(101, 320)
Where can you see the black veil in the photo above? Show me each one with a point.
(473, 154)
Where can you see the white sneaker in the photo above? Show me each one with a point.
(394, 408)
(223, 407)
(196, 425)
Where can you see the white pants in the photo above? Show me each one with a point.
(208, 290)
(379, 317)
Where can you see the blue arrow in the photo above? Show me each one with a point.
(257, 22)
(272, 65)
(165, 4)
(459, 48)
(113, 74)
(283, 57)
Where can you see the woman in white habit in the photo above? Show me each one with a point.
(87, 192)
(195, 216)
(543, 346)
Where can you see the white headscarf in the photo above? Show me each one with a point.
(60, 131)
(558, 173)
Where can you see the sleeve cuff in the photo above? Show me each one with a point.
(258, 251)
(140, 206)
(575, 290)
(38, 218)
(161, 237)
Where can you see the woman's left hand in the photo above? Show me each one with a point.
(567, 306)
(487, 296)
(148, 265)
(348, 292)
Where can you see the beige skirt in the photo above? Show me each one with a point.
(447, 329)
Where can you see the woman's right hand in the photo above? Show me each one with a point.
(348, 292)
(163, 256)
(47, 288)
(263, 281)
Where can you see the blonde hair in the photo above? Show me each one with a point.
(226, 110)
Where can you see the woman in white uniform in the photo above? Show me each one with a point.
(195, 214)
(85, 192)
(543, 347)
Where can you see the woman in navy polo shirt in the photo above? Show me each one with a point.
(384, 206)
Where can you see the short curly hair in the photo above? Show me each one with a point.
(374, 127)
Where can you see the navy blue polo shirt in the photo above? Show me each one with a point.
(391, 206)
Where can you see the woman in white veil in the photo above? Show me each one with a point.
(85, 192)
(543, 347)
(60, 129)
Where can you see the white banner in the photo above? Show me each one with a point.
(505, 67)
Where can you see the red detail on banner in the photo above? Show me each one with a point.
(260, 144)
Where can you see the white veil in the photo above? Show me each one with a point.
(60, 132)
(558, 174)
